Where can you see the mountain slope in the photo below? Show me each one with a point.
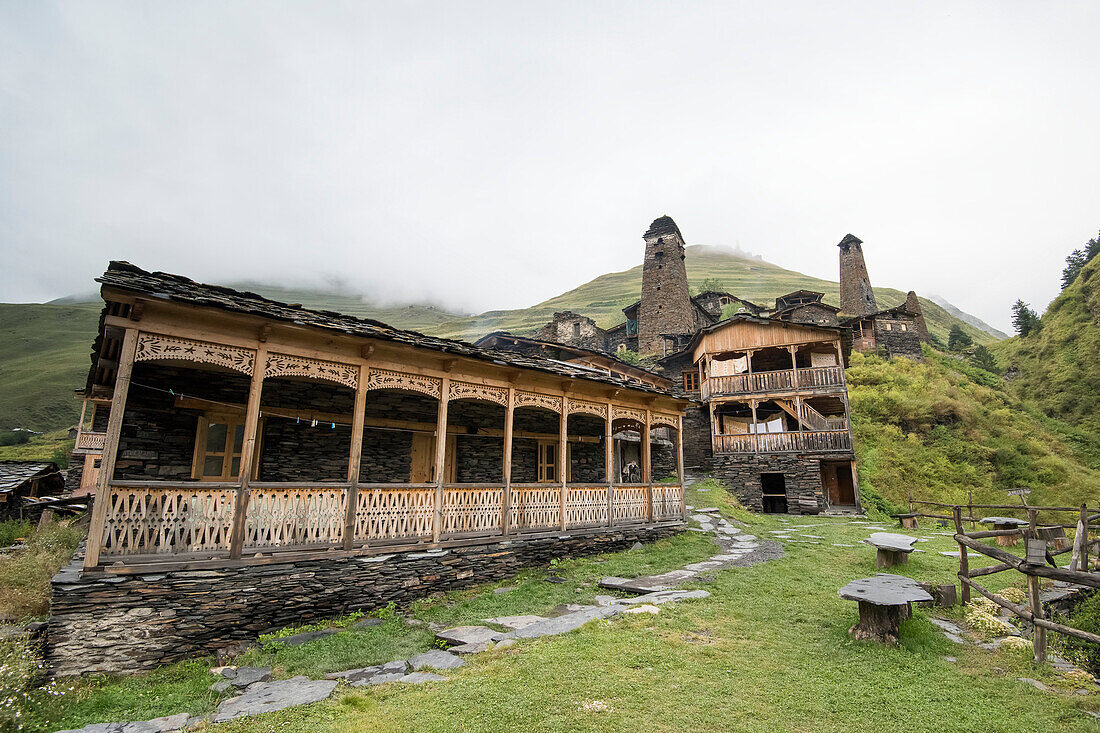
(603, 298)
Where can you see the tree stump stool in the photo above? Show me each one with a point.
(1007, 540)
(907, 521)
(893, 549)
(883, 604)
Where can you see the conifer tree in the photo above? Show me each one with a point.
(1025, 320)
(958, 339)
(983, 359)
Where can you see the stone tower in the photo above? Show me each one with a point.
(856, 297)
(666, 304)
(913, 306)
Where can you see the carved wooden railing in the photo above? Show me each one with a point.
(785, 380)
(816, 441)
(89, 442)
(190, 518)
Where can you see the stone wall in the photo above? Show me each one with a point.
(812, 313)
(574, 329)
(856, 296)
(801, 474)
(697, 448)
(891, 340)
(123, 623)
(666, 306)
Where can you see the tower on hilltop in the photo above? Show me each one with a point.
(665, 308)
(856, 296)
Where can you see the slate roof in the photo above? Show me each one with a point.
(568, 347)
(14, 474)
(165, 286)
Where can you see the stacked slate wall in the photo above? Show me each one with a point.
(801, 475)
(103, 623)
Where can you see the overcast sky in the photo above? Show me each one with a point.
(491, 155)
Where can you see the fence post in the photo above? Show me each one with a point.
(1085, 544)
(910, 501)
(970, 506)
(964, 562)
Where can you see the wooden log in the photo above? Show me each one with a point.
(1026, 614)
(964, 562)
(878, 623)
(990, 570)
(1071, 576)
(889, 558)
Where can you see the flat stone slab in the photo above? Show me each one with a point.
(156, 725)
(892, 542)
(952, 553)
(665, 596)
(514, 622)
(296, 639)
(884, 590)
(563, 624)
(245, 676)
(1003, 521)
(477, 648)
(267, 697)
(708, 510)
(436, 659)
(367, 623)
(647, 584)
(362, 674)
(468, 635)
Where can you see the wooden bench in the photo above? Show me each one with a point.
(883, 604)
(893, 549)
(1002, 523)
(907, 521)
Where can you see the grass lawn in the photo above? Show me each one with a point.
(767, 651)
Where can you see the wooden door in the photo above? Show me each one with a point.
(828, 480)
(89, 479)
(422, 460)
(845, 489)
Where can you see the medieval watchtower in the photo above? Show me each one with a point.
(856, 296)
(665, 308)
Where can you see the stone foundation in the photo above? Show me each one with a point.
(801, 476)
(105, 622)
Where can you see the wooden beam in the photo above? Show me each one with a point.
(609, 464)
(248, 448)
(356, 457)
(440, 458)
(563, 449)
(110, 449)
(506, 500)
(647, 466)
(1072, 576)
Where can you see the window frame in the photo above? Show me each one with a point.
(231, 421)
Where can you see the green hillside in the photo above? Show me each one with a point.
(943, 427)
(603, 298)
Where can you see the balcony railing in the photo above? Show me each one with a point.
(822, 441)
(88, 442)
(149, 520)
(785, 380)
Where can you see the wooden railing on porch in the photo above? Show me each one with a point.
(783, 380)
(154, 519)
(816, 440)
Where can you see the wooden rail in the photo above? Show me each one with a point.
(790, 442)
(191, 518)
(1034, 565)
(783, 380)
(89, 442)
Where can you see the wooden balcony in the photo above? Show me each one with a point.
(157, 521)
(777, 382)
(817, 441)
(89, 442)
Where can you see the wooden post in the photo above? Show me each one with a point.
(609, 465)
(1085, 542)
(798, 410)
(964, 561)
(506, 496)
(356, 457)
(440, 457)
(755, 429)
(248, 447)
(563, 459)
(680, 462)
(701, 381)
(647, 467)
(970, 507)
(110, 448)
(1039, 640)
(910, 500)
(794, 369)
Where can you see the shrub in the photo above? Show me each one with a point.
(1085, 617)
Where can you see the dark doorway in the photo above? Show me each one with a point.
(773, 487)
(838, 483)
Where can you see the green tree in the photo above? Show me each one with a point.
(1078, 259)
(958, 339)
(983, 359)
(710, 284)
(1025, 320)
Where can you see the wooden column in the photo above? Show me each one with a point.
(680, 461)
(755, 434)
(1084, 520)
(110, 448)
(647, 467)
(798, 410)
(356, 456)
(794, 365)
(609, 465)
(563, 458)
(248, 448)
(702, 378)
(964, 561)
(506, 497)
(440, 457)
(1039, 642)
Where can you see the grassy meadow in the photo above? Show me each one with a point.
(767, 651)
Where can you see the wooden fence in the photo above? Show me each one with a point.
(1038, 561)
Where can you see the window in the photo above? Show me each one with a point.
(904, 327)
(548, 461)
(218, 443)
(576, 329)
(691, 381)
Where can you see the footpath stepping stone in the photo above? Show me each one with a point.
(266, 697)
(665, 596)
(156, 725)
(708, 510)
(476, 648)
(417, 678)
(563, 624)
(436, 659)
(647, 584)
(245, 676)
(367, 623)
(468, 635)
(514, 622)
(363, 674)
(950, 630)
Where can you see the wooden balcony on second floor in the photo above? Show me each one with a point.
(774, 382)
(815, 441)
